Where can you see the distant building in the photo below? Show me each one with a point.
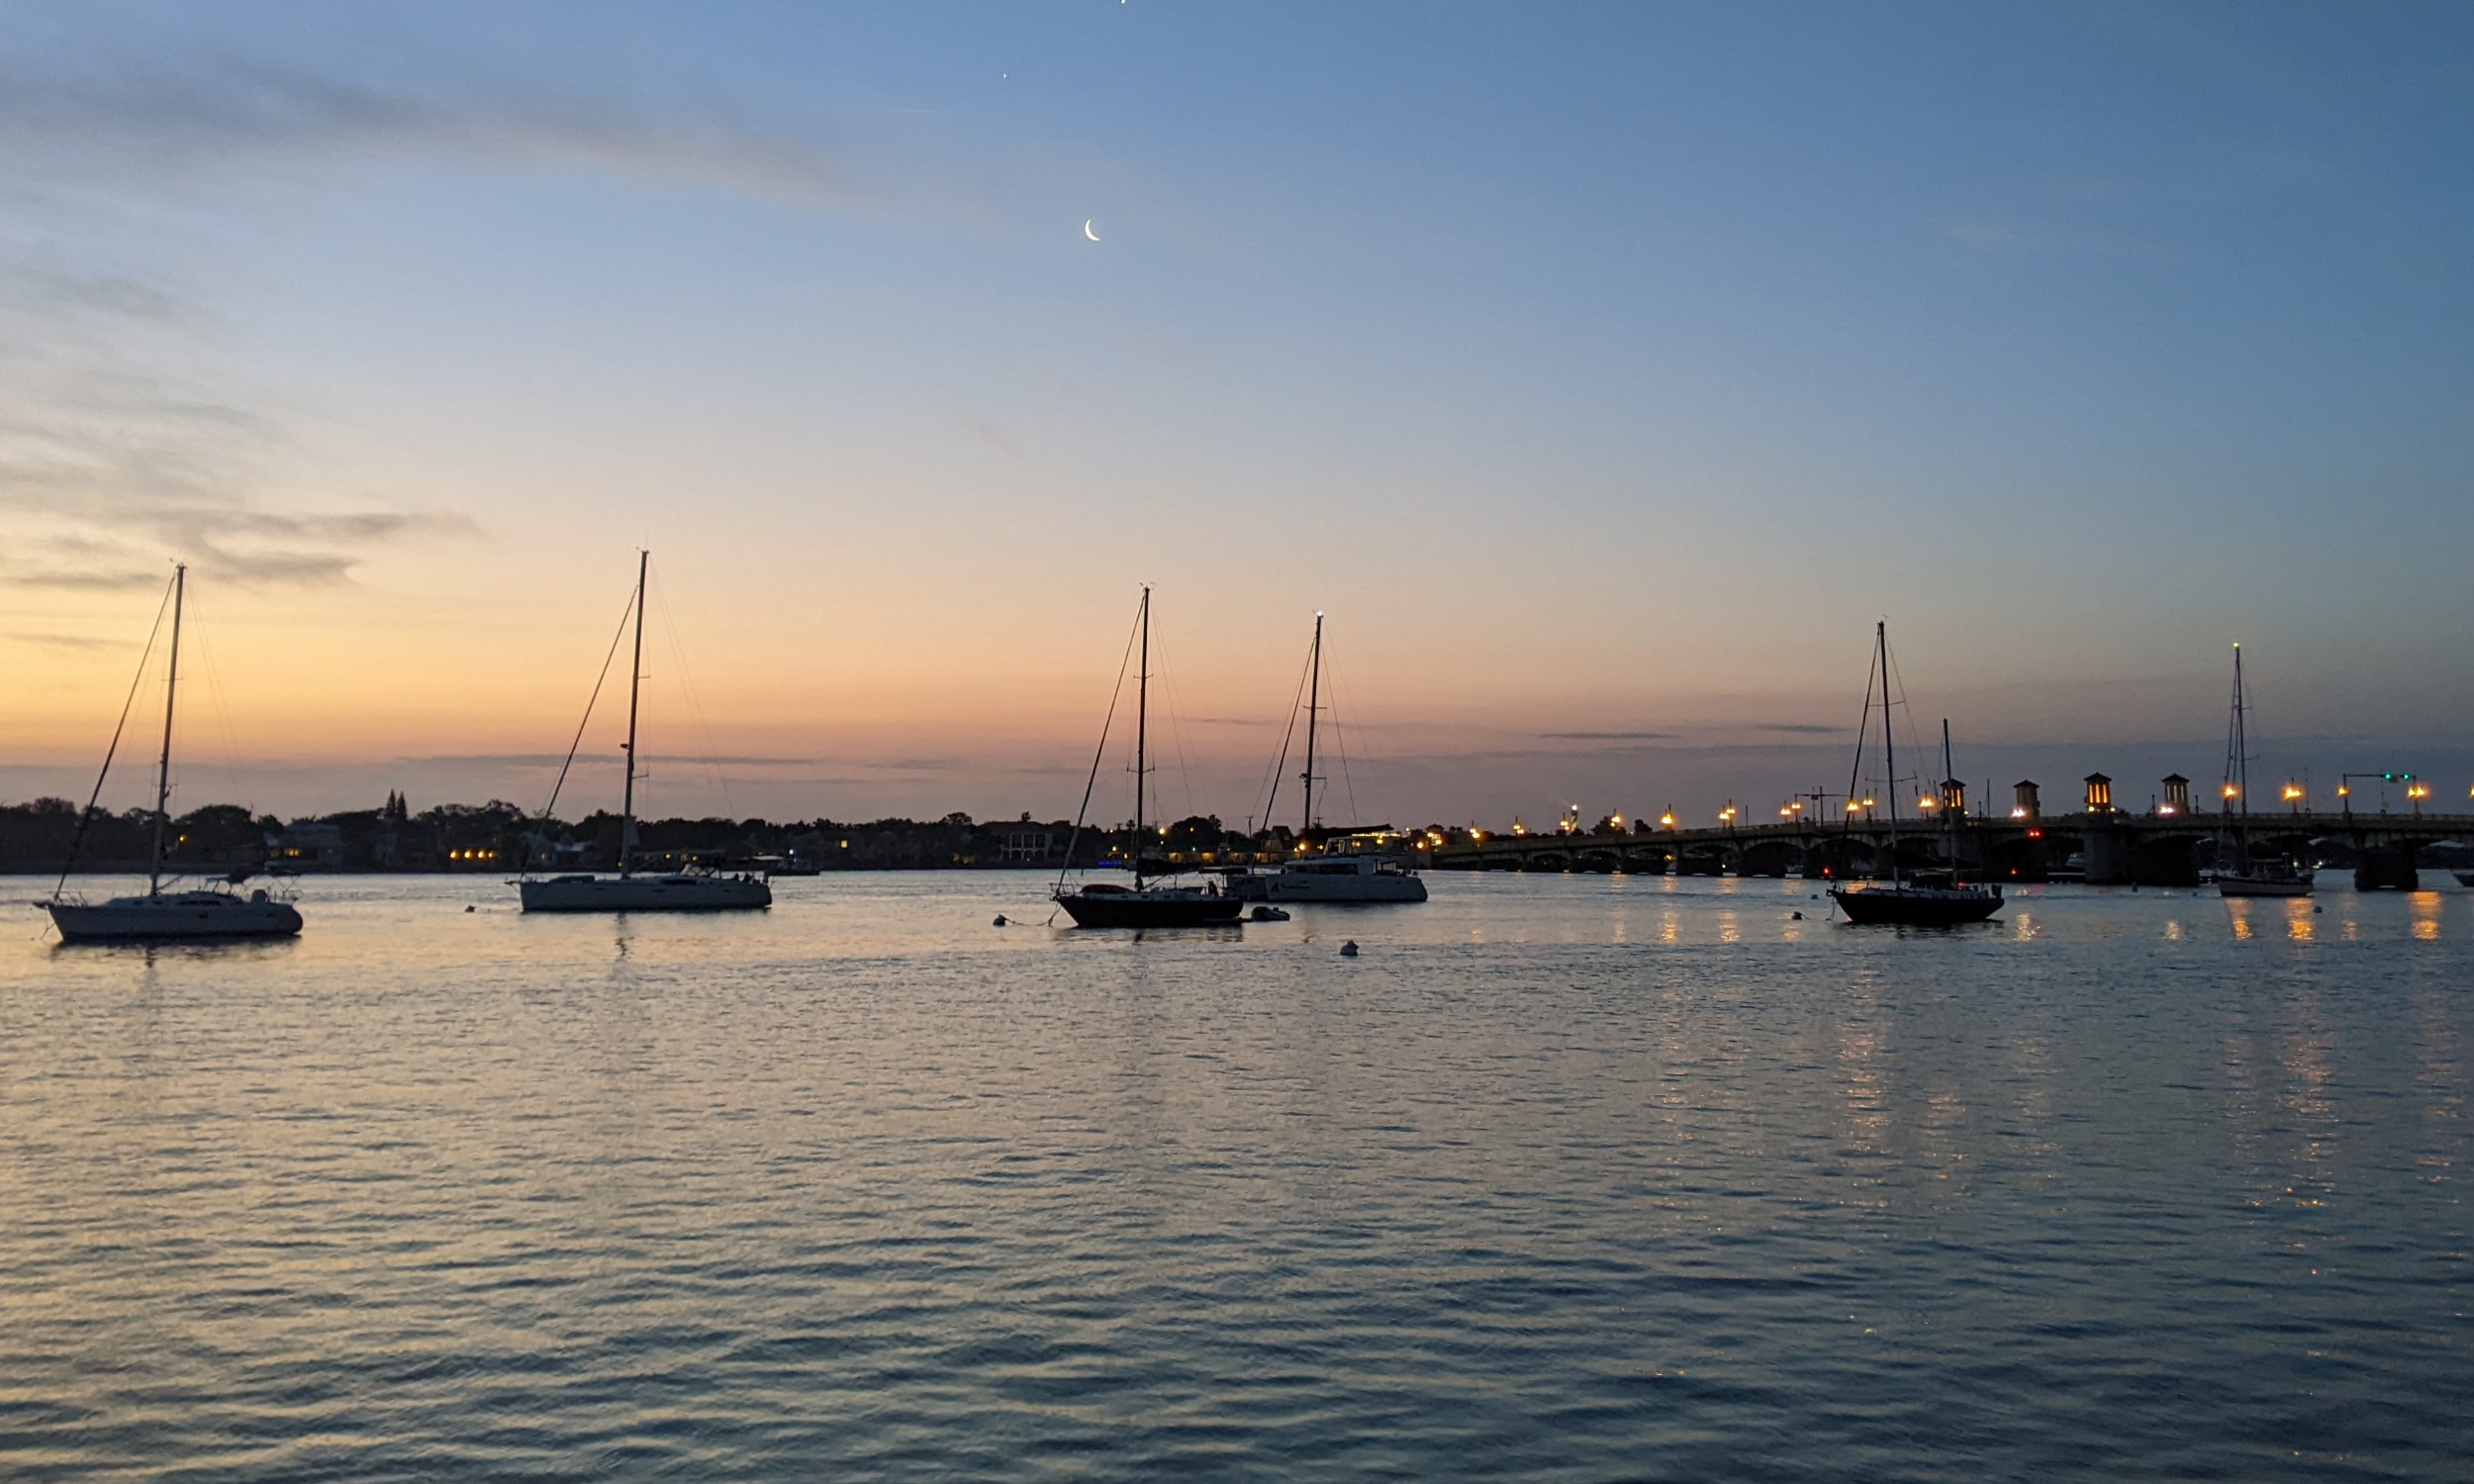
(1023, 843)
(2027, 808)
(2177, 794)
(2099, 793)
(307, 845)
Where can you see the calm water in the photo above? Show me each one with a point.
(1563, 1179)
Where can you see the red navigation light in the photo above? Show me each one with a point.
(2035, 834)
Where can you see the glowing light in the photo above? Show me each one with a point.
(2020, 813)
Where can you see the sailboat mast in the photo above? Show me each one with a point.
(1889, 746)
(1313, 707)
(635, 685)
(1142, 732)
(2242, 741)
(163, 767)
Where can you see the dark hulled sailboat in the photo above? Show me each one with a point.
(1927, 898)
(1108, 904)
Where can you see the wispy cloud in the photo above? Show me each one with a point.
(1608, 736)
(224, 113)
(67, 641)
(122, 439)
(594, 759)
(1798, 728)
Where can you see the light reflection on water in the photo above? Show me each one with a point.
(1563, 1179)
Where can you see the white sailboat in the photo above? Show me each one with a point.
(629, 891)
(1357, 877)
(160, 916)
(2248, 876)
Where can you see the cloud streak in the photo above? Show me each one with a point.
(215, 117)
(114, 451)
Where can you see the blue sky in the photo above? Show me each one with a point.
(1604, 370)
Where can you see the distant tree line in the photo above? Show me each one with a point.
(499, 836)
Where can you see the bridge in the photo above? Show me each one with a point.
(2100, 847)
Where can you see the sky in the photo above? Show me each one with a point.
(1602, 372)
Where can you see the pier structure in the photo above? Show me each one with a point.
(2100, 845)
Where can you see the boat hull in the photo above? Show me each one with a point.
(198, 916)
(646, 893)
(1913, 906)
(1297, 887)
(2247, 886)
(1150, 909)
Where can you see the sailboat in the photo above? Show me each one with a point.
(1925, 898)
(2247, 877)
(1351, 877)
(629, 891)
(160, 916)
(1107, 904)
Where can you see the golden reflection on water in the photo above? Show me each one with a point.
(2298, 924)
(1729, 928)
(1669, 931)
(2025, 928)
(2424, 909)
(2173, 930)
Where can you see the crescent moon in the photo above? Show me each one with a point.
(1086, 231)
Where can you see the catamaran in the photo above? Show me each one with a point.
(2238, 872)
(631, 890)
(1355, 876)
(1108, 904)
(1924, 898)
(158, 915)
